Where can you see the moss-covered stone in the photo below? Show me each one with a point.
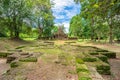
(85, 78)
(104, 72)
(79, 61)
(20, 47)
(15, 50)
(70, 42)
(101, 50)
(109, 54)
(14, 64)
(94, 53)
(89, 59)
(81, 68)
(4, 54)
(103, 69)
(29, 59)
(103, 58)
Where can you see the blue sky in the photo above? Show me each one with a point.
(64, 10)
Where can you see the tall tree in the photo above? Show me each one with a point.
(94, 9)
(15, 12)
(43, 17)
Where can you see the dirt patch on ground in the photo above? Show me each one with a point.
(51, 71)
(3, 66)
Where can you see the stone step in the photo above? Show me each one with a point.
(94, 74)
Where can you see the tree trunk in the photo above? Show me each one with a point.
(110, 31)
(11, 30)
(110, 34)
(92, 30)
(40, 30)
(16, 29)
(17, 33)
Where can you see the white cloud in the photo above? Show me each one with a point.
(66, 25)
(63, 14)
(60, 4)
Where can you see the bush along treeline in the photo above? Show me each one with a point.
(98, 19)
(26, 18)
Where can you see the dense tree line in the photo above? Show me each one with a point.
(98, 19)
(19, 17)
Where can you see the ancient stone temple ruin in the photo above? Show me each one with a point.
(60, 34)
